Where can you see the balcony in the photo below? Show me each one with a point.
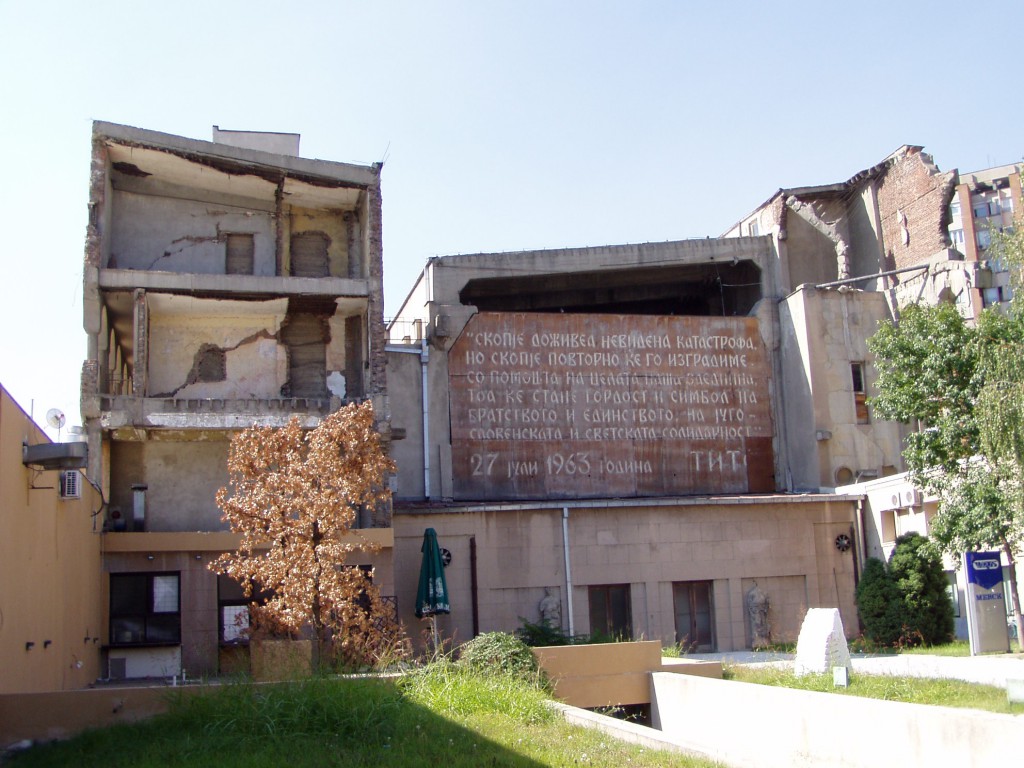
(125, 411)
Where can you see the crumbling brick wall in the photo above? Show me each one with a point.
(913, 202)
(375, 273)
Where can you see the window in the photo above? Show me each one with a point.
(860, 395)
(238, 258)
(145, 609)
(980, 210)
(309, 255)
(233, 608)
(956, 236)
(954, 209)
(610, 611)
(984, 238)
(753, 229)
(888, 526)
(993, 207)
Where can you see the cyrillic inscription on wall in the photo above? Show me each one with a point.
(563, 406)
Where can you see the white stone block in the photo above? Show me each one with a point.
(1015, 690)
(822, 643)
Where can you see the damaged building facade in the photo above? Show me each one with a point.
(653, 435)
(604, 429)
(935, 229)
(227, 284)
(669, 440)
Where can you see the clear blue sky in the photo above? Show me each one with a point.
(504, 125)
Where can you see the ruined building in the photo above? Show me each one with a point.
(652, 433)
(606, 428)
(227, 283)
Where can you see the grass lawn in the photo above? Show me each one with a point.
(912, 690)
(955, 648)
(443, 716)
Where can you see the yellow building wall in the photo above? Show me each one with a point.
(50, 584)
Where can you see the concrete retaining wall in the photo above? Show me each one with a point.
(743, 724)
(62, 714)
(612, 674)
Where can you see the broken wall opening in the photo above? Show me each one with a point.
(729, 289)
(306, 333)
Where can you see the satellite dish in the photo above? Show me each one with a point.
(55, 418)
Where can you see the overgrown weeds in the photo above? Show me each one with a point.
(443, 714)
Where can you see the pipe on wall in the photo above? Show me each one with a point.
(425, 395)
(568, 569)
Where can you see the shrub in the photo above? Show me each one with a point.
(906, 603)
(916, 568)
(542, 635)
(499, 651)
(879, 604)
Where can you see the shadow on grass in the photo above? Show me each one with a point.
(312, 723)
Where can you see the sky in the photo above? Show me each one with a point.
(502, 126)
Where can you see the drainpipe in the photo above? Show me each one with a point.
(568, 569)
(860, 541)
(424, 389)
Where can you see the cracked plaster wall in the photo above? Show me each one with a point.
(255, 359)
(172, 235)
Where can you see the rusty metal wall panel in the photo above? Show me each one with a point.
(577, 406)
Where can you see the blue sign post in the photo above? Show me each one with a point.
(986, 603)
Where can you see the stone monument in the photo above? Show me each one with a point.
(822, 643)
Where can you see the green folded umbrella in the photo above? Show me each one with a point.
(432, 592)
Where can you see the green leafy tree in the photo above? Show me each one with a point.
(962, 387)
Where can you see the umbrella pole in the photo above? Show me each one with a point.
(433, 631)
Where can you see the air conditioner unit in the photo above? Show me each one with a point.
(911, 498)
(70, 484)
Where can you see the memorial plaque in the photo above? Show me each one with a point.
(578, 406)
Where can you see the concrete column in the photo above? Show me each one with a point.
(140, 333)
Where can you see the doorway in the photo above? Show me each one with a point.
(695, 617)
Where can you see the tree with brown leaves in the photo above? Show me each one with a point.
(295, 496)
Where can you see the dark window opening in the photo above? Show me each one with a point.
(611, 611)
(145, 609)
(695, 289)
(860, 395)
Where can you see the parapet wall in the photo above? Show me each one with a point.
(743, 724)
